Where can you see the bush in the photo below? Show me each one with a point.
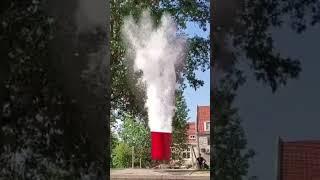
(121, 156)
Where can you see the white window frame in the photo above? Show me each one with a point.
(187, 153)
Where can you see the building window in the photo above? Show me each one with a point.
(186, 155)
(207, 126)
(192, 137)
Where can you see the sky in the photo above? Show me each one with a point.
(201, 96)
(292, 113)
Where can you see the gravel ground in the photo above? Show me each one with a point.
(156, 174)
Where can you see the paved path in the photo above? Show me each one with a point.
(157, 174)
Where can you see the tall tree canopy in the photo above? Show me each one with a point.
(125, 96)
(243, 34)
(54, 118)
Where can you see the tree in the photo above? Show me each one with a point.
(114, 139)
(43, 118)
(180, 126)
(240, 31)
(243, 31)
(30, 116)
(137, 134)
(125, 97)
(230, 144)
(122, 156)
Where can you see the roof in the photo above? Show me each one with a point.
(299, 160)
(203, 115)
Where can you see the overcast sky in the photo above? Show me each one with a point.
(292, 113)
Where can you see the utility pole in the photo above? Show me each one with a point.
(132, 156)
(213, 73)
(194, 154)
(197, 133)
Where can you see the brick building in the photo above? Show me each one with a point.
(202, 126)
(298, 160)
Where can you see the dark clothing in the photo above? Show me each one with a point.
(201, 161)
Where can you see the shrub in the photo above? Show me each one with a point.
(121, 156)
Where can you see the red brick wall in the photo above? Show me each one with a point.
(191, 131)
(203, 115)
(299, 160)
(191, 128)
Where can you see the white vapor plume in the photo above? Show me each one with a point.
(158, 51)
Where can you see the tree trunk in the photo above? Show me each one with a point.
(132, 161)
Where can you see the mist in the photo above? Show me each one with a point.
(156, 52)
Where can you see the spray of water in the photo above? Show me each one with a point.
(158, 51)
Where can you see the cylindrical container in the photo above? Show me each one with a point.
(160, 145)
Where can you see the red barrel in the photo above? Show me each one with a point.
(160, 145)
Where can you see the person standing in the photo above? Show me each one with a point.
(201, 161)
